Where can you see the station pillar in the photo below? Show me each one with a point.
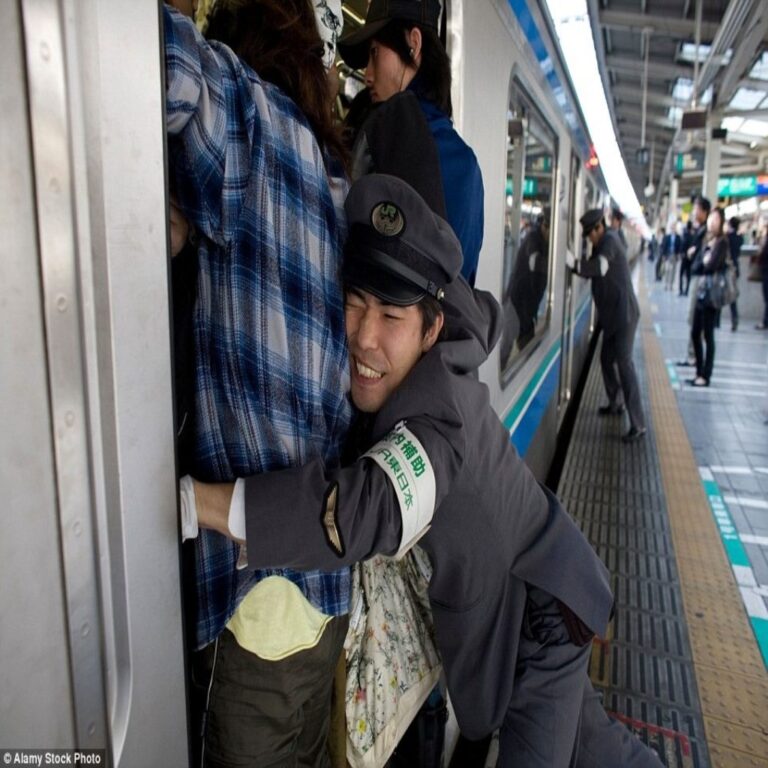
(711, 162)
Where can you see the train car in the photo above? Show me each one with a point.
(92, 637)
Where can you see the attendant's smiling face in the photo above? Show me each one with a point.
(385, 342)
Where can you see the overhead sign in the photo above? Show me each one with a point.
(742, 186)
(692, 160)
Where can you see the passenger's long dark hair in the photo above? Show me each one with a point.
(435, 68)
(279, 40)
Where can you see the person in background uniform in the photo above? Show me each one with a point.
(735, 241)
(257, 167)
(517, 592)
(711, 258)
(617, 219)
(400, 49)
(528, 280)
(619, 313)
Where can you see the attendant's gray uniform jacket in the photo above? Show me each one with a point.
(616, 303)
(493, 531)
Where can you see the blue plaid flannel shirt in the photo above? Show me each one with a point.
(272, 377)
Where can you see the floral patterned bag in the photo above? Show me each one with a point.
(392, 661)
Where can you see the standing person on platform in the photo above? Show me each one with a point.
(711, 258)
(400, 49)
(685, 260)
(256, 164)
(763, 262)
(671, 247)
(701, 209)
(735, 241)
(619, 313)
(517, 592)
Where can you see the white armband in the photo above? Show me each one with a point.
(603, 262)
(407, 465)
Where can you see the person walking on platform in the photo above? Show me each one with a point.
(400, 49)
(517, 592)
(619, 313)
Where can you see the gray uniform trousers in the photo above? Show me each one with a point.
(616, 354)
(556, 718)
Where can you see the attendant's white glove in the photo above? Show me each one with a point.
(570, 260)
(189, 529)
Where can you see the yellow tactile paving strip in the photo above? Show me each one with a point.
(731, 676)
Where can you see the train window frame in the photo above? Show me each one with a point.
(525, 122)
(572, 196)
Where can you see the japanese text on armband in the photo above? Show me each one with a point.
(407, 465)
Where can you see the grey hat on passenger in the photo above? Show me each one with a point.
(354, 46)
(397, 248)
(590, 220)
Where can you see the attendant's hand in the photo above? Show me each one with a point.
(213, 501)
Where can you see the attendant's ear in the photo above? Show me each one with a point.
(430, 337)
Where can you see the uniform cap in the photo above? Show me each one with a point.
(354, 46)
(590, 219)
(398, 249)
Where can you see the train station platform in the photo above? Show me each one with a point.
(681, 520)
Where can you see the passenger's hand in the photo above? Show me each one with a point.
(179, 229)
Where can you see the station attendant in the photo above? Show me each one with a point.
(517, 592)
(619, 313)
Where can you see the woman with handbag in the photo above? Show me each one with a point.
(710, 260)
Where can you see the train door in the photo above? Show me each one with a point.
(566, 359)
(91, 637)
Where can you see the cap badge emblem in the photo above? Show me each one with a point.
(387, 219)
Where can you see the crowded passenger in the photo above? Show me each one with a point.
(257, 166)
(712, 258)
(618, 312)
(400, 49)
(517, 592)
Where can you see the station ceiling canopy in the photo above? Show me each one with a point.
(725, 75)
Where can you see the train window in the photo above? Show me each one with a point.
(529, 198)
